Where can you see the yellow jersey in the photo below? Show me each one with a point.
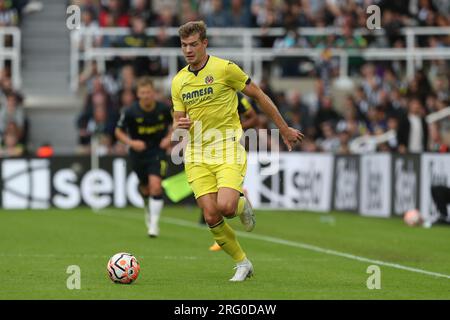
(208, 96)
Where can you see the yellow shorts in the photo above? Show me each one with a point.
(209, 178)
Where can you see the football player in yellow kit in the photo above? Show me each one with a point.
(205, 103)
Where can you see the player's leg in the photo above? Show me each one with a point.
(156, 204)
(231, 199)
(230, 180)
(157, 170)
(223, 234)
(441, 198)
(145, 194)
(143, 188)
(230, 202)
(214, 246)
(204, 184)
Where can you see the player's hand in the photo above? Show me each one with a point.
(291, 137)
(184, 123)
(138, 145)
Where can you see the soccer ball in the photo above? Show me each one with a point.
(412, 218)
(123, 268)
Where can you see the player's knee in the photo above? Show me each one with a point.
(211, 215)
(143, 190)
(227, 208)
(156, 191)
(212, 220)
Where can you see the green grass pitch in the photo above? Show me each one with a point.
(36, 247)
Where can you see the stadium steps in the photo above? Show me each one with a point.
(53, 125)
(46, 51)
(50, 105)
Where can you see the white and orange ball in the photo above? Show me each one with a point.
(123, 268)
(412, 218)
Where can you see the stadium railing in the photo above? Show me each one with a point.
(369, 143)
(252, 57)
(12, 53)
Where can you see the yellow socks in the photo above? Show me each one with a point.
(226, 239)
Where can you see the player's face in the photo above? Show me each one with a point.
(194, 49)
(146, 95)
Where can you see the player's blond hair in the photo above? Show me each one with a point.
(192, 27)
(144, 81)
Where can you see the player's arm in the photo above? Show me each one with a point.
(249, 118)
(180, 121)
(237, 79)
(122, 136)
(165, 142)
(290, 135)
(136, 145)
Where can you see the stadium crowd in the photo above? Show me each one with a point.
(380, 102)
(13, 120)
(263, 13)
(383, 99)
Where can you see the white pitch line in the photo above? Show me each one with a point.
(305, 246)
(313, 248)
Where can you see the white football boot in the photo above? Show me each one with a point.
(244, 270)
(247, 217)
(153, 230)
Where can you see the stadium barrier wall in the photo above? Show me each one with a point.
(379, 184)
(346, 188)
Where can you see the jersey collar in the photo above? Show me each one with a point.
(197, 71)
(147, 111)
